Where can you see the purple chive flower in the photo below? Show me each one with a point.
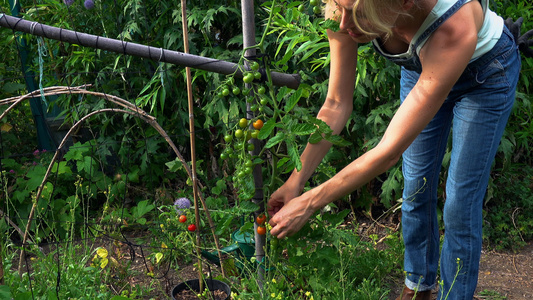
(68, 2)
(181, 203)
(12, 171)
(89, 4)
(36, 152)
(34, 163)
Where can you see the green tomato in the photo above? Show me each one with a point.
(223, 156)
(250, 147)
(248, 163)
(261, 90)
(239, 133)
(236, 90)
(225, 92)
(317, 10)
(257, 75)
(228, 138)
(248, 170)
(249, 77)
(255, 134)
(264, 101)
(313, 2)
(245, 92)
(301, 8)
(243, 123)
(254, 66)
(253, 107)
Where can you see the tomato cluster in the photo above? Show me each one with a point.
(238, 146)
(315, 4)
(183, 218)
(260, 220)
(230, 87)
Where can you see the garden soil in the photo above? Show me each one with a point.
(502, 275)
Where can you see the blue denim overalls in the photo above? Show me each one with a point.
(477, 107)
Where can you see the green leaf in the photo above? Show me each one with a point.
(5, 293)
(278, 138)
(337, 140)
(175, 165)
(248, 206)
(294, 155)
(315, 138)
(267, 129)
(302, 129)
(282, 162)
(323, 127)
(392, 186)
(61, 168)
(36, 177)
(337, 218)
(75, 152)
(219, 187)
(293, 100)
(140, 210)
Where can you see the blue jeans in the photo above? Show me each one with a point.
(478, 108)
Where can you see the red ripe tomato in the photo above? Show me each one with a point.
(261, 219)
(183, 219)
(258, 124)
(261, 230)
(192, 227)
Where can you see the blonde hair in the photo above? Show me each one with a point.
(375, 11)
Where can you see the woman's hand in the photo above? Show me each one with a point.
(282, 196)
(292, 216)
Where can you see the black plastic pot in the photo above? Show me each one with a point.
(194, 285)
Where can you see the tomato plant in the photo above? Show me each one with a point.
(183, 218)
(191, 227)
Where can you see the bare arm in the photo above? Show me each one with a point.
(455, 42)
(335, 111)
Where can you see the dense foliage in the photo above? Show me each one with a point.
(119, 169)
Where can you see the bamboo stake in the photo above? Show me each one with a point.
(193, 145)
